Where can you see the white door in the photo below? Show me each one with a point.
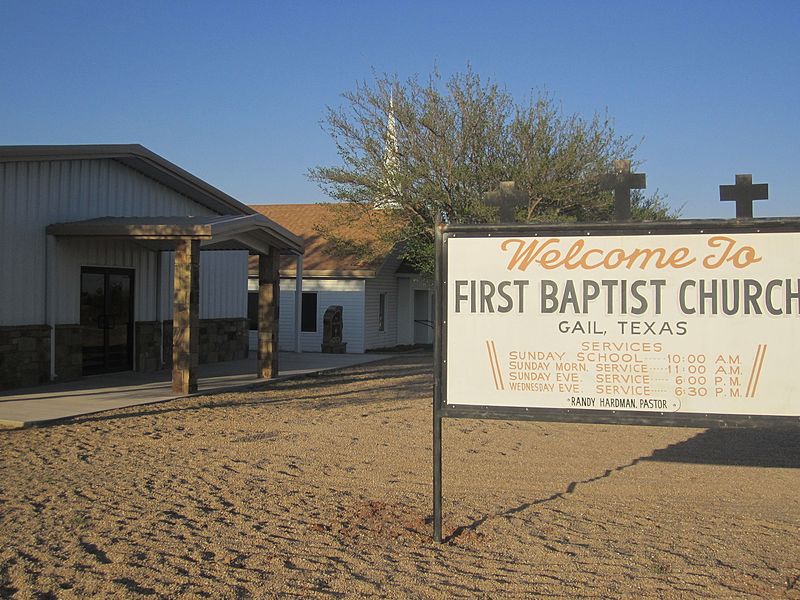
(422, 317)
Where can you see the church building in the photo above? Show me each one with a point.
(114, 259)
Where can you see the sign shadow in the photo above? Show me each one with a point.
(771, 448)
(776, 448)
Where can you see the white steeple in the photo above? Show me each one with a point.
(390, 159)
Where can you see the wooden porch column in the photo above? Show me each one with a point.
(268, 299)
(186, 317)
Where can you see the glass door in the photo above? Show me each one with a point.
(106, 319)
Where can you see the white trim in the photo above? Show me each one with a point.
(159, 315)
(298, 303)
(50, 301)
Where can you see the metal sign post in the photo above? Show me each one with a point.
(439, 293)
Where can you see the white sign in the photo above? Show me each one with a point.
(706, 323)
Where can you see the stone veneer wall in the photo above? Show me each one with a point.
(25, 349)
(69, 352)
(223, 339)
(24, 355)
(220, 340)
(148, 346)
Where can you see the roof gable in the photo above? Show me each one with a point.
(322, 257)
(140, 159)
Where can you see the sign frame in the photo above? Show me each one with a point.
(442, 410)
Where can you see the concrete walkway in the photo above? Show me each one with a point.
(36, 405)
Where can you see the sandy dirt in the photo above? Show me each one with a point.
(321, 487)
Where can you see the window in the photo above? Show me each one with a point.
(381, 311)
(308, 321)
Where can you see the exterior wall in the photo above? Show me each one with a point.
(286, 324)
(69, 353)
(24, 355)
(406, 286)
(223, 284)
(223, 278)
(25, 350)
(384, 282)
(348, 293)
(39, 193)
(223, 339)
(72, 254)
(220, 340)
(147, 348)
(358, 297)
(405, 311)
(36, 194)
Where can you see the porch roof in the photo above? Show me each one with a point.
(252, 232)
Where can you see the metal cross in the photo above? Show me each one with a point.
(508, 199)
(744, 193)
(622, 181)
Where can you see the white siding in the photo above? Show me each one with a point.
(384, 283)
(286, 336)
(223, 284)
(36, 194)
(347, 293)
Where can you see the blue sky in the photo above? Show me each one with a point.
(235, 91)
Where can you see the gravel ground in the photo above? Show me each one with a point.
(321, 487)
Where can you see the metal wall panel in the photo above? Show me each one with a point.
(223, 284)
(36, 194)
(76, 253)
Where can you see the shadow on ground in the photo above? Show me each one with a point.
(736, 447)
(729, 447)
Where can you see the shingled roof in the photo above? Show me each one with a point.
(320, 258)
